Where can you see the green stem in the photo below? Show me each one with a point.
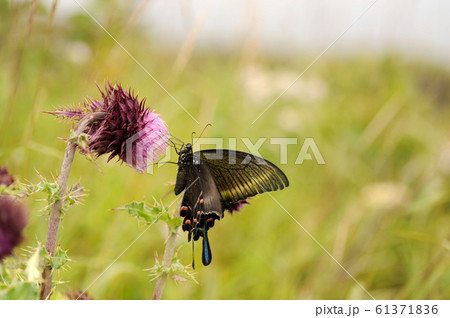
(55, 210)
(167, 261)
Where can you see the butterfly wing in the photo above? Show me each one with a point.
(239, 175)
(201, 204)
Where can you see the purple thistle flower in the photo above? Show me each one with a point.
(236, 206)
(12, 223)
(129, 130)
(5, 178)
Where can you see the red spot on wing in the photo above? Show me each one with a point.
(183, 211)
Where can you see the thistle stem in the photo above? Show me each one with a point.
(167, 261)
(55, 209)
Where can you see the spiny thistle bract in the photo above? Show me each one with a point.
(129, 130)
(13, 220)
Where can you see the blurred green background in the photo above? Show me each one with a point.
(380, 204)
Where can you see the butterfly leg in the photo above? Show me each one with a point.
(193, 254)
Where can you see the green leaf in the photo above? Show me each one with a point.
(20, 290)
(181, 273)
(73, 196)
(177, 271)
(173, 223)
(32, 269)
(142, 212)
(59, 260)
(151, 214)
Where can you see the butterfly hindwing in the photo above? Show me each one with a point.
(201, 204)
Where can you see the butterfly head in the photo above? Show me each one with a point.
(185, 154)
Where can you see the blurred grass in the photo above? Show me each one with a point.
(380, 205)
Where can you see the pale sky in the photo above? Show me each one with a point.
(419, 28)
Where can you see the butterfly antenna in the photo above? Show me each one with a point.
(201, 134)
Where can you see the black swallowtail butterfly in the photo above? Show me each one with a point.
(218, 180)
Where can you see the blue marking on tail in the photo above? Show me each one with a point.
(206, 253)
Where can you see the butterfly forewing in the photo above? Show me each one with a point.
(239, 175)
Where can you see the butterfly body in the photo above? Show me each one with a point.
(217, 180)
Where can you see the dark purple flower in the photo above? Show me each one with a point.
(12, 222)
(5, 178)
(129, 130)
(78, 295)
(236, 206)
